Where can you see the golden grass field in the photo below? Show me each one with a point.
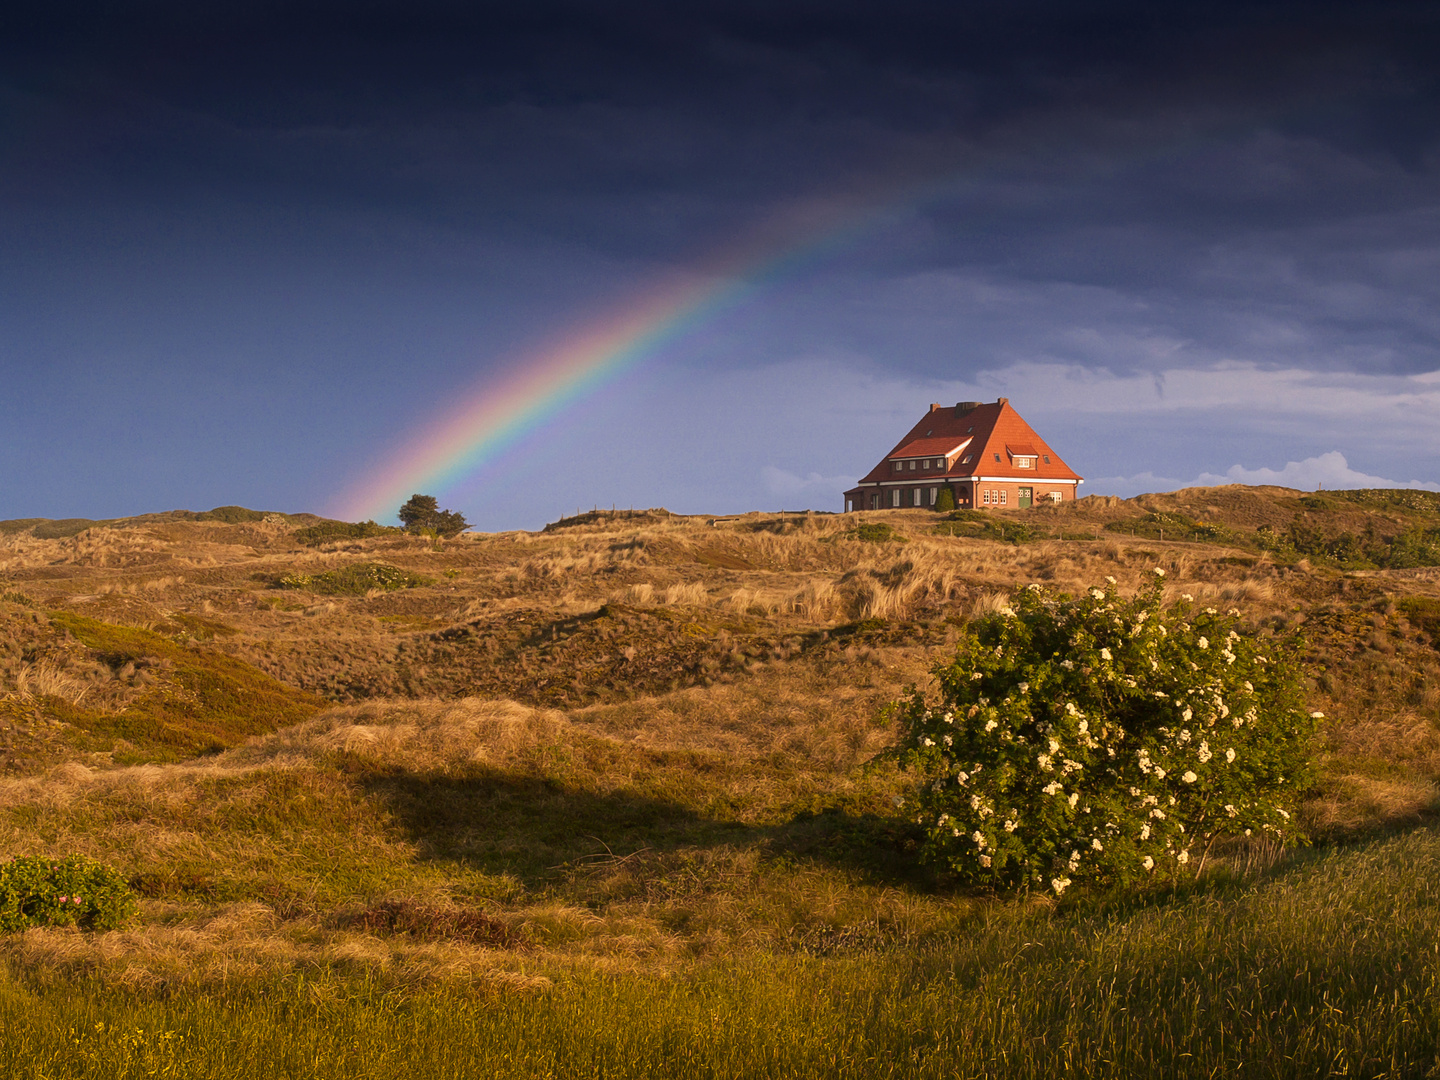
(629, 746)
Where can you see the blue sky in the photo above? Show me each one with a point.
(251, 249)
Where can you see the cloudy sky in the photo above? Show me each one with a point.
(253, 253)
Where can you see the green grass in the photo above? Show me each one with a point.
(209, 702)
(1326, 968)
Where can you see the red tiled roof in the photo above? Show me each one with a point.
(937, 446)
(993, 427)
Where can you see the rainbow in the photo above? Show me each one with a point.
(538, 386)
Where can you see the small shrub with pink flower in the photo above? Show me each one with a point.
(74, 891)
(1105, 737)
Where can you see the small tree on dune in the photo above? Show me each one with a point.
(945, 501)
(422, 512)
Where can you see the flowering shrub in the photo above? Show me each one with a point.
(74, 891)
(1107, 738)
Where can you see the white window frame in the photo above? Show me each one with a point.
(1003, 493)
(895, 498)
(934, 492)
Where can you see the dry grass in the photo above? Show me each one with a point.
(46, 679)
(705, 789)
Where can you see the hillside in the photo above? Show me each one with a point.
(634, 744)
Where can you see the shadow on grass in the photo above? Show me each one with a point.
(537, 830)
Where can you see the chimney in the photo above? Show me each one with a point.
(962, 407)
(934, 405)
(1002, 401)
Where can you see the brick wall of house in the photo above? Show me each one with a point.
(983, 496)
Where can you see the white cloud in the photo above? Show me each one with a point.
(780, 482)
(1328, 470)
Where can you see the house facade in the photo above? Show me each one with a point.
(985, 453)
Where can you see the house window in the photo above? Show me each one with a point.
(917, 496)
(895, 497)
(997, 455)
(933, 493)
(913, 463)
(1054, 496)
(967, 459)
(1024, 463)
(1047, 459)
(899, 465)
(875, 501)
(987, 496)
(1003, 493)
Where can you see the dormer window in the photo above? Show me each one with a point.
(967, 459)
(1024, 463)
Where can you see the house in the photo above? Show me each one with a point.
(986, 454)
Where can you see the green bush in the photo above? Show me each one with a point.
(945, 501)
(876, 532)
(355, 579)
(330, 531)
(1105, 738)
(74, 891)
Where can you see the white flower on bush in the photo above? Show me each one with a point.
(984, 860)
(1183, 858)
(991, 724)
(1189, 777)
(1059, 884)
(1105, 655)
(1204, 643)
(1052, 789)
(1096, 845)
(1148, 863)
(1159, 572)
(1145, 832)
(1230, 755)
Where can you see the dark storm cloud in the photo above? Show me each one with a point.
(482, 111)
(336, 215)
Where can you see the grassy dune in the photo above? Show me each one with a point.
(615, 799)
